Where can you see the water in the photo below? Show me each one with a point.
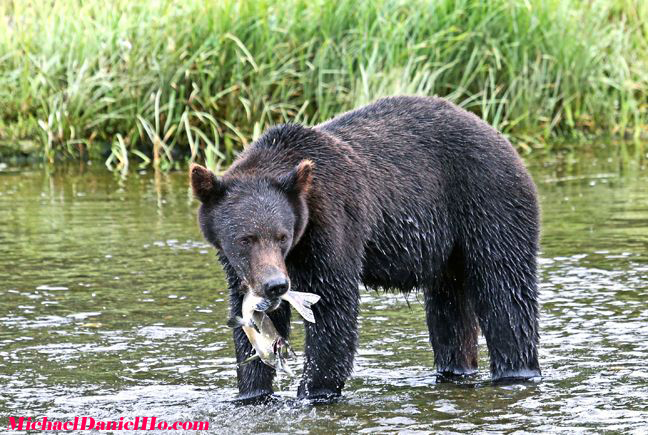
(111, 305)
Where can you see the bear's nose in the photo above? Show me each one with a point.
(275, 287)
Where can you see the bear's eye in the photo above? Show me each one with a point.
(245, 241)
(283, 238)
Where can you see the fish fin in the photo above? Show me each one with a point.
(235, 322)
(249, 360)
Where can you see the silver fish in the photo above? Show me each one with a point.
(270, 347)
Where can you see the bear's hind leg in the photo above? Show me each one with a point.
(452, 323)
(505, 298)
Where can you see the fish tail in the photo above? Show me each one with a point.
(302, 302)
(305, 299)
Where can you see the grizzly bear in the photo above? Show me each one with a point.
(407, 193)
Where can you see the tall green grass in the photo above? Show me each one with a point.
(165, 81)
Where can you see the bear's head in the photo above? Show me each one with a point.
(254, 221)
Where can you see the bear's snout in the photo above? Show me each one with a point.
(275, 287)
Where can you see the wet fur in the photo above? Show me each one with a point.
(406, 193)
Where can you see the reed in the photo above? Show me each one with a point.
(171, 81)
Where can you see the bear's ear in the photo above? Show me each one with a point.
(206, 186)
(300, 179)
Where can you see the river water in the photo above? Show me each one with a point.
(111, 305)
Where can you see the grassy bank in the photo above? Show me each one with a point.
(196, 79)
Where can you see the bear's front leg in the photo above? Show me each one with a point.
(330, 343)
(255, 378)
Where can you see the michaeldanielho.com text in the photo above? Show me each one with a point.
(89, 423)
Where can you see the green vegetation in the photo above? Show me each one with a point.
(167, 81)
